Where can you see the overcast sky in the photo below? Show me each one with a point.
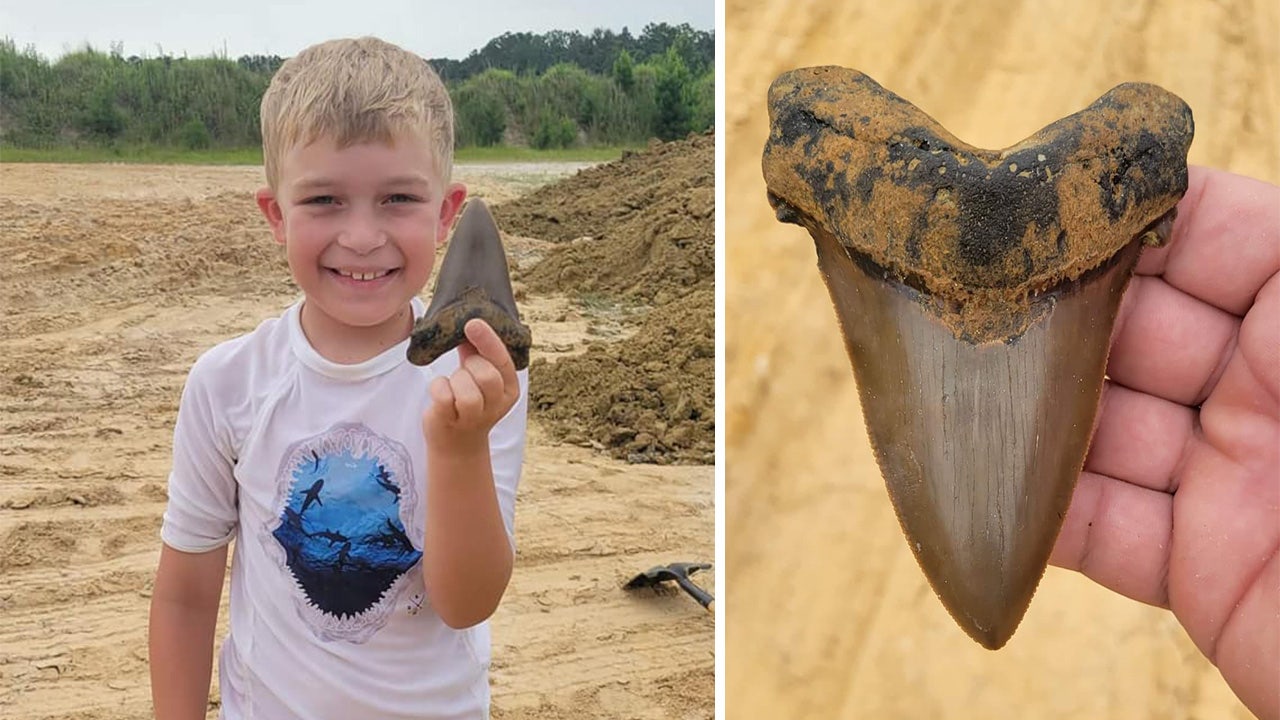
(431, 28)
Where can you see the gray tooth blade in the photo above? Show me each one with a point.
(474, 258)
(474, 282)
(980, 444)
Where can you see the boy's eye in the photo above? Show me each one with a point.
(401, 198)
(319, 200)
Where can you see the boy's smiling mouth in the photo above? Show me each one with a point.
(362, 275)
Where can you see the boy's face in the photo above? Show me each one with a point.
(360, 226)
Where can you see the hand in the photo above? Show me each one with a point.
(467, 404)
(1179, 502)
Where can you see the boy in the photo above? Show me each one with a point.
(372, 500)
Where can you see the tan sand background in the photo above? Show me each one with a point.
(827, 614)
(114, 279)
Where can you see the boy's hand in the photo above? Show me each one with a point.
(467, 404)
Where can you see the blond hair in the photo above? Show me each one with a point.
(355, 90)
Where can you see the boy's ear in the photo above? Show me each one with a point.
(454, 196)
(270, 208)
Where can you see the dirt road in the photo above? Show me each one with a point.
(116, 277)
(828, 614)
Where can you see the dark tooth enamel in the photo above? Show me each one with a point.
(473, 282)
(976, 292)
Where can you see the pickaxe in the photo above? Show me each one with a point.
(679, 572)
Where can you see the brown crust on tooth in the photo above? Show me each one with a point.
(982, 234)
(444, 329)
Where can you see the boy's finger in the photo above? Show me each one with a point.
(491, 347)
(465, 350)
(1119, 536)
(486, 376)
(442, 399)
(467, 398)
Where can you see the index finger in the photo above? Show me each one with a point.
(1225, 241)
(489, 346)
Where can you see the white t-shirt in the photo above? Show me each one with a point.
(319, 469)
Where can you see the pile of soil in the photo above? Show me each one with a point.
(640, 230)
(649, 398)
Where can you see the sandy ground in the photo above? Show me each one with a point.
(828, 615)
(115, 278)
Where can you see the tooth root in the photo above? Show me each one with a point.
(980, 444)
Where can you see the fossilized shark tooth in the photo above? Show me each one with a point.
(976, 292)
(473, 282)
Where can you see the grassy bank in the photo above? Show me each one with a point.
(253, 156)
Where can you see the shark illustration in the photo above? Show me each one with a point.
(384, 479)
(313, 495)
(331, 535)
(399, 536)
(294, 519)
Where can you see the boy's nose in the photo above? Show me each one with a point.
(362, 234)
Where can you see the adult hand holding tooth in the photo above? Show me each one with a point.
(1179, 503)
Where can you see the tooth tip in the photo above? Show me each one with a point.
(992, 639)
(992, 618)
(987, 600)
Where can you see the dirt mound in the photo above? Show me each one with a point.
(649, 398)
(593, 200)
(641, 228)
(638, 230)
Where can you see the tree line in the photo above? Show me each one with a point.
(558, 89)
(531, 54)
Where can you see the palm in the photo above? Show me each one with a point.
(1179, 504)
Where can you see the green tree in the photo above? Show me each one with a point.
(670, 95)
(553, 131)
(480, 116)
(102, 119)
(194, 135)
(624, 72)
(702, 102)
